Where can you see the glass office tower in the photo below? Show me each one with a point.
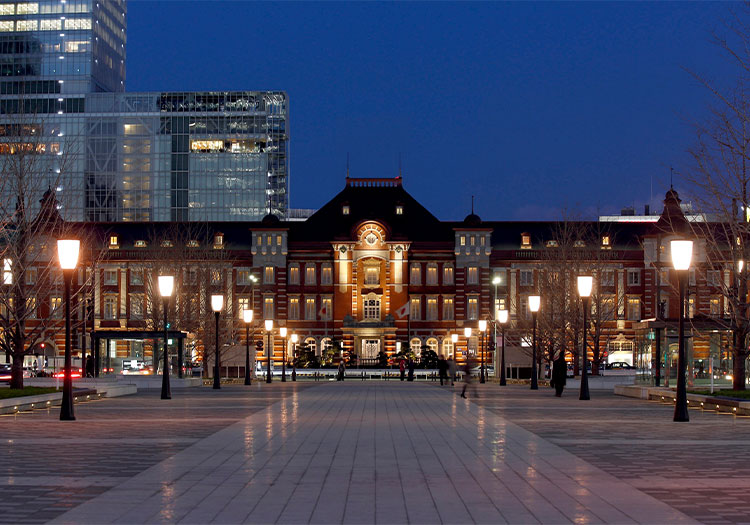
(116, 156)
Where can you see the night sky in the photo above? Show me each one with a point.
(535, 108)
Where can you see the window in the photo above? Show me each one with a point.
(218, 241)
(268, 240)
(110, 307)
(278, 240)
(216, 276)
(634, 309)
(27, 25)
(691, 306)
(326, 310)
(608, 307)
(606, 245)
(472, 275)
(399, 210)
(712, 276)
(691, 277)
(523, 307)
(193, 276)
(415, 274)
(634, 277)
(243, 303)
(50, 25)
(326, 274)
(167, 243)
(310, 314)
(432, 344)
(472, 308)
(136, 306)
(525, 241)
(244, 277)
(193, 243)
(268, 308)
(552, 244)
(268, 275)
(664, 276)
(31, 312)
(579, 244)
(463, 240)
(416, 346)
(608, 278)
(6, 25)
(294, 308)
(432, 279)
(7, 9)
(472, 240)
(526, 277)
(114, 242)
(447, 347)
(110, 277)
(345, 209)
(55, 307)
(77, 23)
(432, 308)
(7, 271)
(448, 274)
(294, 274)
(502, 304)
(415, 308)
(715, 305)
(448, 308)
(30, 8)
(310, 273)
(372, 308)
(31, 276)
(136, 276)
(140, 244)
(372, 276)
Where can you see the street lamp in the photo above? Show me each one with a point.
(67, 253)
(585, 284)
(534, 304)
(482, 330)
(217, 303)
(682, 254)
(467, 335)
(295, 338)
(454, 340)
(282, 333)
(247, 316)
(502, 317)
(269, 327)
(166, 286)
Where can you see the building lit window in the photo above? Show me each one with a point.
(432, 309)
(372, 276)
(715, 306)
(140, 244)
(7, 271)
(472, 239)
(268, 239)
(606, 242)
(218, 241)
(432, 274)
(345, 209)
(244, 277)
(579, 244)
(50, 25)
(114, 242)
(326, 308)
(448, 274)
(310, 313)
(294, 274)
(552, 244)
(415, 345)
(216, 276)
(463, 240)
(608, 308)
(28, 8)
(691, 306)
(136, 306)
(136, 276)
(7, 26)
(472, 308)
(448, 314)
(472, 275)
(268, 308)
(634, 277)
(7, 9)
(268, 277)
(55, 307)
(371, 308)
(110, 307)
(243, 303)
(502, 304)
(634, 309)
(447, 347)
(166, 243)
(31, 312)
(294, 308)
(310, 273)
(399, 210)
(525, 241)
(278, 240)
(192, 243)
(110, 277)
(415, 274)
(77, 24)
(526, 277)
(326, 275)
(415, 308)
(27, 25)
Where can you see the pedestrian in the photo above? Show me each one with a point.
(442, 365)
(452, 369)
(467, 378)
(411, 369)
(559, 375)
(402, 368)
(342, 369)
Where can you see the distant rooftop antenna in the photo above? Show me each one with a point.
(671, 175)
(347, 163)
(399, 164)
(472, 204)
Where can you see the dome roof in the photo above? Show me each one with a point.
(270, 220)
(472, 220)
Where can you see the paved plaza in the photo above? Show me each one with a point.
(374, 452)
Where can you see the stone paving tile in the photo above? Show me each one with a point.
(48, 467)
(373, 452)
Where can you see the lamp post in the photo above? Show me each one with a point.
(482, 331)
(534, 304)
(166, 286)
(269, 327)
(282, 333)
(495, 282)
(217, 303)
(502, 317)
(295, 338)
(682, 254)
(585, 284)
(454, 340)
(247, 316)
(67, 253)
(467, 335)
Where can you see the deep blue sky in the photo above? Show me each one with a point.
(532, 107)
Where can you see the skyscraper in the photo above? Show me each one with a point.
(117, 156)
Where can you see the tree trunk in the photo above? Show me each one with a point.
(739, 355)
(16, 372)
(595, 360)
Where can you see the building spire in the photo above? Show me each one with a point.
(472, 204)
(399, 164)
(347, 164)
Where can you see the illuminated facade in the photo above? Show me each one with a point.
(116, 156)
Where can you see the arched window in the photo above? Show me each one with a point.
(326, 343)
(432, 344)
(447, 347)
(371, 308)
(311, 345)
(416, 346)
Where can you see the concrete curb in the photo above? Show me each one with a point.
(697, 401)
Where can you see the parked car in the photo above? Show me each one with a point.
(4, 373)
(618, 365)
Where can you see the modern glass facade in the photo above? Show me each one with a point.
(116, 156)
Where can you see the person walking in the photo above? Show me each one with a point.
(467, 378)
(559, 375)
(402, 368)
(442, 366)
(342, 370)
(452, 369)
(411, 369)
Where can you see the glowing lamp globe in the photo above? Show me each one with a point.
(217, 302)
(166, 285)
(535, 302)
(585, 284)
(67, 252)
(682, 254)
